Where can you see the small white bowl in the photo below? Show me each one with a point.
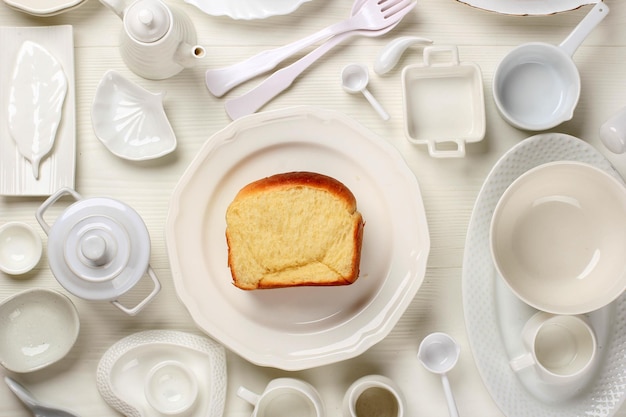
(558, 237)
(20, 248)
(38, 327)
(171, 388)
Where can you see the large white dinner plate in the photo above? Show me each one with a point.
(247, 9)
(298, 328)
(494, 317)
(528, 7)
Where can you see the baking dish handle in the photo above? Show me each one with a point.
(430, 50)
(134, 310)
(50, 201)
(435, 151)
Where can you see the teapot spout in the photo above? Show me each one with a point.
(187, 55)
(117, 6)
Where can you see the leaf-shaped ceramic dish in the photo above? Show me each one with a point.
(36, 96)
(130, 121)
(528, 7)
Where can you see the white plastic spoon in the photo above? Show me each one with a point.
(38, 409)
(439, 352)
(354, 79)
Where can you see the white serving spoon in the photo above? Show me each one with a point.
(354, 79)
(439, 352)
(38, 409)
(372, 15)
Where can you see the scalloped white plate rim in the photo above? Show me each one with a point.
(483, 320)
(247, 9)
(44, 7)
(143, 338)
(528, 7)
(298, 328)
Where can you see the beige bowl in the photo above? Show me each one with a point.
(558, 237)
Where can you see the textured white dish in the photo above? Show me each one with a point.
(38, 327)
(20, 248)
(247, 9)
(44, 7)
(130, 120)
(36, 97)
(124, 368)
(528, 7)
(494, 316)
(58, 168)
(298, 328)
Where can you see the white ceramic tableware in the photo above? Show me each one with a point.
(158, 40)
(437, 88)
(247, 9)
(372, 15)
(354, 79)
(494, 316)
(36, 98)
(38, 408)
(528, 7)
(285, 397)
(276, 83)
(130, 121)
(44, 8)
(171, 388)
(374, 396)
(164, 373)
(20, 248)
(558, 237)
(391, 53)
(98, 249)
(613, 132)
(57, 168)
(536, 86)
(38, 327)
(560, 348)
(439, 353)
(298, 328)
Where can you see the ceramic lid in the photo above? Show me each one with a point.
(99, 248)
(147, 20)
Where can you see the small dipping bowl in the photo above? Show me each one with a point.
(558, 237)
(20, 248)
(38, 327)
(171, 388)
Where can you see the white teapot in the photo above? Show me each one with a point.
(158, 41)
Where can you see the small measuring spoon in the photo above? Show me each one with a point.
(38, 409)
(354, 79)
(439, 352)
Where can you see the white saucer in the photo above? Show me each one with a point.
(125, 367)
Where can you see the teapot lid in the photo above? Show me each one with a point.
(98, 248)
(147, 20)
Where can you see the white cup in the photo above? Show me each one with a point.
(171, 388)
(374, 396)
(561, 348)
(285, 397)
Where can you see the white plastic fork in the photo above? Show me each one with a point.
(373, 15)
(276, 83)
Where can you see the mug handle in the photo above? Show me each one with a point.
(134, 310)
(522, 362)
(247, 395)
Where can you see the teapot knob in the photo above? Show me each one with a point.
(147, 20)
(93, 247)
(146, 17)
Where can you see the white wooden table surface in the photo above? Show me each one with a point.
(449, 186)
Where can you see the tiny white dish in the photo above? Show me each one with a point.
(38, 327)
(20, 248)
(130, 121)
(437, 88)
(164, 373)
(528, 7)
(247, 9)
(44, 8)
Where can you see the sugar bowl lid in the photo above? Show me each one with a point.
(98, 248)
